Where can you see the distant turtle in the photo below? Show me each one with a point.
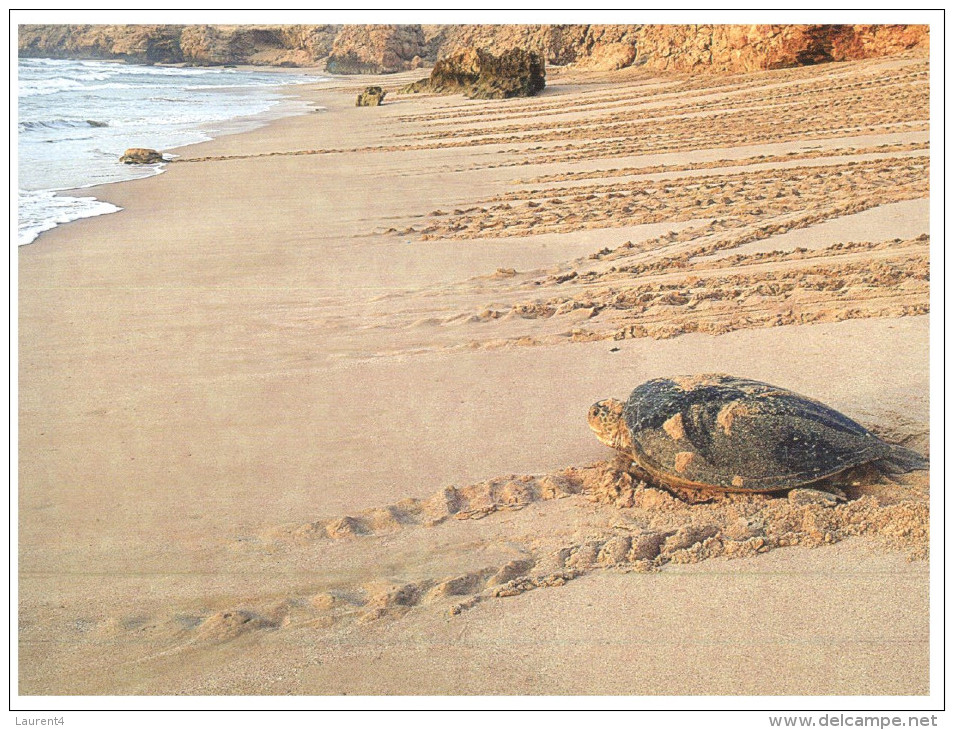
(727, 434)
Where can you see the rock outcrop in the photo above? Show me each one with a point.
(132, 43)
(609, 56)
(258, 45)
(685, 48)
(376, 49)
(478, 74)
(556, 44)
(371, 96)
(140, 156)
(200, 45)
(391, 48)
(742, 48)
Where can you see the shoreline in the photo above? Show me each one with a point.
(332, 83)
(248, 404)
(283, 106)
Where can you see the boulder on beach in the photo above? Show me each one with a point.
(371, 96)
(140, 156)
(479, 74)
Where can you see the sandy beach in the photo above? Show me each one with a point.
(309, 415)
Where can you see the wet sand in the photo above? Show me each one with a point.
(309, 415)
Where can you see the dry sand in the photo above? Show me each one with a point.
(309, 415)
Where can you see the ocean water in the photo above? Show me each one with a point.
(75, 119)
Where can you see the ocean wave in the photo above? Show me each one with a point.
(45, 87)
(65, 139)
(59, 124)
(41, 210)
(179, 72)
(62, 104)
(110, 86)
(252, 82)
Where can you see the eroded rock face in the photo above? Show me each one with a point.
(264, 45)
(371, 96)
(140, 156)
(559, 45)
(685, 48)
(376, 49)
(133, 43)
(479, 74)
(871, 41)
(201, 45)
(609, 56)
(742, 48)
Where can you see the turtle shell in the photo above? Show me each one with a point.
(732, 434)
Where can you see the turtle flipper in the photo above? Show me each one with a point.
(901, 460)
(689, 496)
(827, 497)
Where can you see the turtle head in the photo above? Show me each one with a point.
(606, 420)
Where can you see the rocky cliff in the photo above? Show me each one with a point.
(391, 48)
(740, 48)
(377, 49)
(273, 45)
(683, 48)
(201, 45)
(133, 43)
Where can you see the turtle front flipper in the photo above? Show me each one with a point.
(689, 496)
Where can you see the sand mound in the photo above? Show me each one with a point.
(225, 625)
(733, 525)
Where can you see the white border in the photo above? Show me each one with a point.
(139, 711)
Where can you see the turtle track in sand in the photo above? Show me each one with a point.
(702, 93)
(753, 109)
(753, 195)
(684, 283)
(750, 111)
(680, 282)
(901, 103)
(633, 527)
(675, 296)
(815, 154)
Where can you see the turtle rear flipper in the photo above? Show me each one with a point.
(901, 460)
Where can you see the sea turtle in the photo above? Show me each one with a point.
(720, 433)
